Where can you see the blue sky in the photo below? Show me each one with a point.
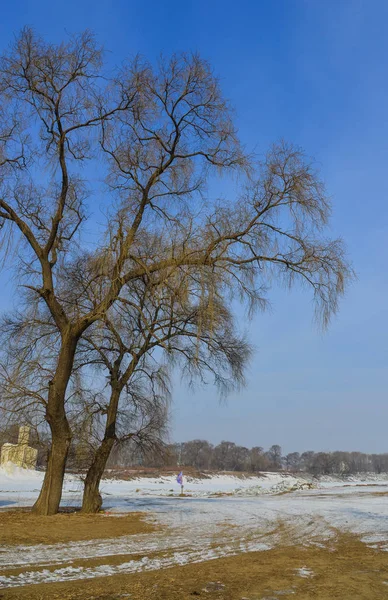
(314, 73)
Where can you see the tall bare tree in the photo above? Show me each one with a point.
(152, 327)
(155, 135)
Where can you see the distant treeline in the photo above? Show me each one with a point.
(228, 456)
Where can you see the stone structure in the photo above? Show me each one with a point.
(20, 454)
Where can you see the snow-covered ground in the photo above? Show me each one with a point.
(221, 516)
(19, 487)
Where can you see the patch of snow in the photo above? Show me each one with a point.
(21, 487)
(305, 572)
(291, 484)
(146, 563)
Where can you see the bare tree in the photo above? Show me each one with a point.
(258, 459)
(145, 334)
(274, 455)
(197, 453)
(28, 362)
(292, 461)
(152, 328)
(156, 135)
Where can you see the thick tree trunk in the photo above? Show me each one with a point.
(51, 492)
(92, 501)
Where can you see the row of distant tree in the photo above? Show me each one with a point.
(202, 455)
(228, 456)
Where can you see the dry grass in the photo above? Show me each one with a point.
(346, 570)
(22, 527)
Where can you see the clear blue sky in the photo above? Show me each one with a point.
(315, 73)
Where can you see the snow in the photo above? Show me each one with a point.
(216, 484)
(20, 480)
(305, 572)
(220, 516)
(133, 566)
(20, 487)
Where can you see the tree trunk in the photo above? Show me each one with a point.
(51, 492)
(92, 501)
